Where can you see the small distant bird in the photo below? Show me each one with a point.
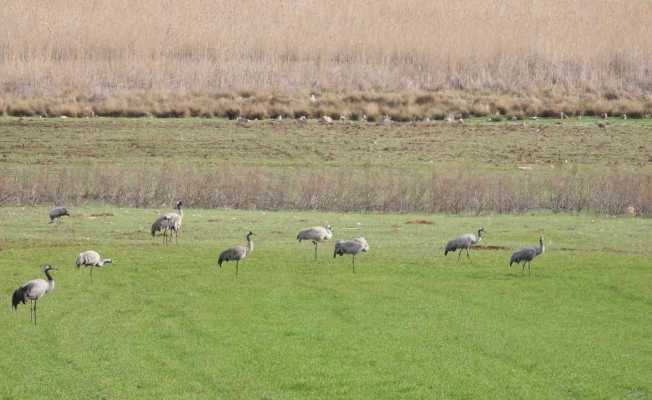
(464, 242)
(562, 115)
(624, 116)
(302, 120)
(527, 254)
(169, 222)
(313, 98)
(242, 121)
(602, 125)
(387, 120)
(237, 253)
(316, 234)
(604, 115)
(352, 247)
(33, 291)
(91, 258)
(58, 212)
(325, 119)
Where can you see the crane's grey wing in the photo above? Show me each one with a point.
(57, 212)
(314, 233)
(234, 253)
(526, 253)
(457, 243)
(348, 247)
(35, 288)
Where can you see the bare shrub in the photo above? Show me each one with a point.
(380, 190)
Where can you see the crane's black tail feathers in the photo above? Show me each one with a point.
(18, 297)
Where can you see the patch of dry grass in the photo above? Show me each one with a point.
(403, 106)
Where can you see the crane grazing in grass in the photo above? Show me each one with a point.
(464, 242)
(316, 234)
(237, 253)
(169, 223)
(91, 259)
(352, 247)
(526, 255)
(33, 291)
(58, 212)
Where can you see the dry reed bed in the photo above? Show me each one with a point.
(399, 106)
(104, 49)
(377, 190)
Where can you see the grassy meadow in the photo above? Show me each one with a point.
(570, 165)
(164, 322)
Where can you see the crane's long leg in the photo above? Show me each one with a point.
(35, 301)
(523, 267)
(459, 255)
(467, 253)
(315, 243)
(31, 310)
(236, 268)
(529, 267)
(354, 263)
(91, 273)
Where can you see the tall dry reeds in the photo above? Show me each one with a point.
(99, 49)
(379, 190)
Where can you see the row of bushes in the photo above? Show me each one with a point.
(612, 193)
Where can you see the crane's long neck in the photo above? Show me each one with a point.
(50, 280)
(250, 244)
(180, 211)
(542, 246)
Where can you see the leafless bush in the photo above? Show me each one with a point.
(380, 190)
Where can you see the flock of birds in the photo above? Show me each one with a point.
(169, 226)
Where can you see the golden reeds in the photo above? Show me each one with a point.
(108, 48)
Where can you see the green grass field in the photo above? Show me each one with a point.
(207, 143)
(164, 322)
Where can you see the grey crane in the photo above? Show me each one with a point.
(316, 234)
(58, 212)
(526, 255)
(92, 259)
(169, 222)
(237, 253)
(464, 242)
(352, 247)
(33, 291)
